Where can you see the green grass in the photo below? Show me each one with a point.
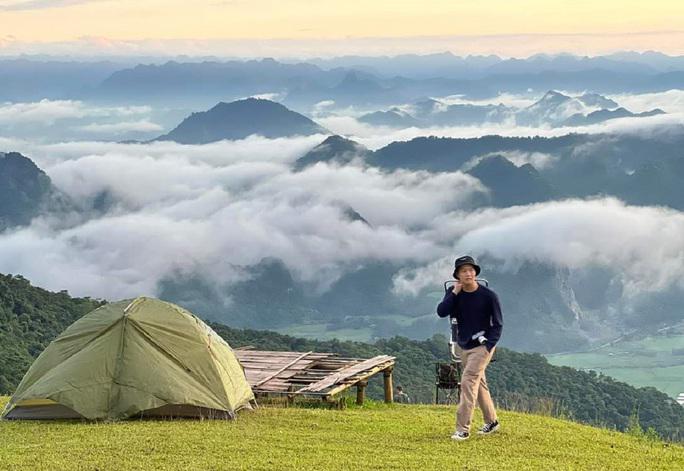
(376, 436)
(648, 361)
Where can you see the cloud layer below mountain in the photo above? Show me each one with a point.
(640, 245)
(345, 121)
(218, 208)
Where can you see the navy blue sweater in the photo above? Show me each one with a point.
(474, 312)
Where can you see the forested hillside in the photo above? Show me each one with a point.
(30, 318)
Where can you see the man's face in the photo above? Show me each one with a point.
(466, 274)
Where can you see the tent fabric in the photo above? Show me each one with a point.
(129, 357)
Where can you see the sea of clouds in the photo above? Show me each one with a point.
(218, 208)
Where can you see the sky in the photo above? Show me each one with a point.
(326, 27)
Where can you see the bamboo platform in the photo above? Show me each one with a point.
(312, 374)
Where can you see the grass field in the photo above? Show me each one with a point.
(656, 361)
(377, 436)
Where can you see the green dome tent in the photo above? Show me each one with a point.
(131, 358)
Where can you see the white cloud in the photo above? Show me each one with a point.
(273, 96)
(218, 207)
(142, 125)
(250, 149)
(48, 111)
(506, 99)
(671, 101)
(375, 137)
(323, 106)
(350, 126)
(44, 111)
(401, 198)
(345, 121)
(641, 245)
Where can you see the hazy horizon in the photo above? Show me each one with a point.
(505, 47)
(299, 29)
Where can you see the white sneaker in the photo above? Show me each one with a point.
(460, 436)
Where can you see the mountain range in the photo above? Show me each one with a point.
(449, 65)
(242, 118)
(346, 80)
(554, 109)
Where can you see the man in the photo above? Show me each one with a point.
(401, 397)
(477, 311)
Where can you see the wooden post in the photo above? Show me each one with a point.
(389, 392)
(361, 392)
(290, 397)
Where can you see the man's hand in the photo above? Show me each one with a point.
(456, 288)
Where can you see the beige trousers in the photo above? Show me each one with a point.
(474, 388)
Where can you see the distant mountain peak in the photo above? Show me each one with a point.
(554, 96)
(245, 102)
(352, 215)
(550, 101)
(14, 164)
(25, 190)
(394, 117)
(355, 82)
(242, 118)
(558, 109)
(596, 100)
(340, 143)
(333, 149)
(509, 184)
(494, 162)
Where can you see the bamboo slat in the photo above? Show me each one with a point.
(346, 373)
(281, 370)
